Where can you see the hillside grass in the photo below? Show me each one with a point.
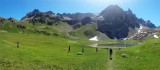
(43, 52)
(85, 32)
(141, 57)
(48, 52)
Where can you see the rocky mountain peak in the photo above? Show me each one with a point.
(2, 20)
(129, 10)
(112, 21)
(147, 23)
(32, 14)
(112, 11)
(118, 23)
(36, 11)
(37, 16)
(12, 19)
(50, 13)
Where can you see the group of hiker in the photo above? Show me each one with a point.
(69, 49)
(110, 51)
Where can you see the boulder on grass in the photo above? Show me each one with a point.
(124, 55)
(79, 53)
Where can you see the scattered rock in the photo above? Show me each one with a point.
(2, 20)
(55, 34)
(12, 19)
(124, 55)
(3, 31)
(79, 53)
(137, 57)
(21, 26)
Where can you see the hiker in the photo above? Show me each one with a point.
(69, 49)
(110, 53)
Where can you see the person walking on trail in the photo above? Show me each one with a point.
(110, 53)
(69, 49)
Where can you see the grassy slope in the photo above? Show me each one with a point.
(142, 57)
(61, 27)
(39, 51)
(9, 26)
(80, 31)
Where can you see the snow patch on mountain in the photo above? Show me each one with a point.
(143, 32)
(155, 36)
(140, 29)
(94, 39)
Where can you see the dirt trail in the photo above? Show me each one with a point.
(110, 63)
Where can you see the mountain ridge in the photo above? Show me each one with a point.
(112, 21)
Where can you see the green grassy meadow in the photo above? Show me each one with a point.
(38, 51)
(43, 52)
(142, 57)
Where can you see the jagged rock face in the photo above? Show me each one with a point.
(77, 18)
(86, 20)
(50, 18)
(147, 23)
(2, 20)
(12, 19)
(117, 22)
(112, 21)
(143, 33)
(50, 13)
(37, 13)
(31, 15)
(42, 17)
(131, 20)
(113, 12)
(158, 29)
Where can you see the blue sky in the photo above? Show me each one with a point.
(146, 9)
